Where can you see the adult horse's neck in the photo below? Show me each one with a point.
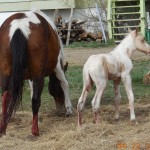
(127, 46)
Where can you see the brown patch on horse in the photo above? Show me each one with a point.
(36, 40)
(108, 68)
(121, 67)
(6, 54)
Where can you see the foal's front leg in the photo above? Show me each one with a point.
(117, 97)
(36, 103)
(128, 87)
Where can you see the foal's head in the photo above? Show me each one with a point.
(139, 42)
(56, 90)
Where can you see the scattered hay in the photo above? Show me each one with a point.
(61, 133)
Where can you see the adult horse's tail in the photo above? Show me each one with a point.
(18, 46)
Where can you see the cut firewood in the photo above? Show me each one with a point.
(77, 32)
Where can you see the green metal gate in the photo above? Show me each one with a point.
(124, 14)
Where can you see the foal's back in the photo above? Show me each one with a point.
(108, 66)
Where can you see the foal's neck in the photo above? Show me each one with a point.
(126, 47)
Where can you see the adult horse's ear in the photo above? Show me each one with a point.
(66, 67)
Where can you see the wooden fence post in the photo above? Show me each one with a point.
(69, 27)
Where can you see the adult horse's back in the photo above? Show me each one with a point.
(30, 49)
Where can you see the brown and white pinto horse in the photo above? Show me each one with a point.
(30, 49)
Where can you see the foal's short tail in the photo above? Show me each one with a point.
(18, 46)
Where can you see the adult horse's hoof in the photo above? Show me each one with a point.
(36, 134)
(69, 111)
(2, 129)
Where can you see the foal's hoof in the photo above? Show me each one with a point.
(134, 122)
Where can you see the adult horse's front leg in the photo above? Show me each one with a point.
(36, 103)
(64, 84)
(128, 87)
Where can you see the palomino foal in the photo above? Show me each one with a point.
(115, 66)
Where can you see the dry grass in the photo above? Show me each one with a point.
(60, 133)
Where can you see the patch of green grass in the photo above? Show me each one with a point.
(141, 91)
(74, 77)
(92, 44)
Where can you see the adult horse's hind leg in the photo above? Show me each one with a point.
(64, 84)
(5, 102)
(36, 103)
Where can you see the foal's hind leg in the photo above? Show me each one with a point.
(36, 102)
(100, 86)
(128, 87)
(64, 84)
(81, 103)
(117, 98)
(82, 100)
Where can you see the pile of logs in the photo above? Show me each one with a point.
(77, 33)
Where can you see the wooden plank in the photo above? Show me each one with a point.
(126, 20)
(127, 13)
(123, 0)
(21, 5)
(109, 19)
(117, 34)
(125, 27)
(131, 6)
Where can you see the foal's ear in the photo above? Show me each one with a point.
(135, 32)
(129, 30)
(66, 67)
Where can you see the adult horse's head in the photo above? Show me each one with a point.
(55, 89)
(139, 42)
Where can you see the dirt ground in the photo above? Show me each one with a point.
(62, 133)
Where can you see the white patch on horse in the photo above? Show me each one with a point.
(23, 24)
(31, 87)
(46, 17)
(64, 84)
